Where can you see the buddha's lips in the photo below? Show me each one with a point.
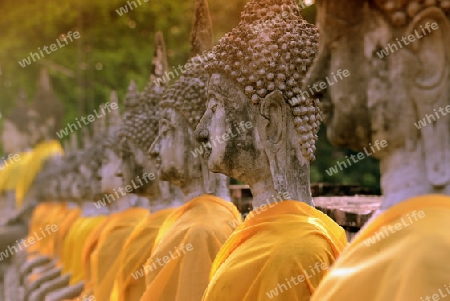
(158, 162)
(207, 152)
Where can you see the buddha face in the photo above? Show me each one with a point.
(52, 191)
(91, 183)
(13, 140)
(172, 149)
(136, 162)
(130, 164)
(65, 186)
(77, 188)
(111, 172)
(344, 102)
(381, 86)
(228, 129)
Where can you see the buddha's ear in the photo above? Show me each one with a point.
(272, 130)
(273, 109)
(432, 48)
(428, 88)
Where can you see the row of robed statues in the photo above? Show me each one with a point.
(142, 210)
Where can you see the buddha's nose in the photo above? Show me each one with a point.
(153, 151)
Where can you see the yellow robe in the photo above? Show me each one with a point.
(55, 216)
(73, 246)
(34, 165)
(280, 252)
(135, 253)
(10, 172)
(45, 215)
(38, 217)
(89, 247)
(104, 263)
(186, 247)
(71, 216)
(45, 239)
(401, 255)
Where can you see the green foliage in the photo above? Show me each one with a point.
(113, 50)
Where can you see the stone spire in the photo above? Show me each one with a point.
(188, 93)
(140, 123)
(86, 138)
(132, 97)
(66, 146)
(20, 114)
(73, 143)
(202, 33)
(46, 104)
(100, 124)
(159, 61)
(114, 120)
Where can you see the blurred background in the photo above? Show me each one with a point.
(114, 49)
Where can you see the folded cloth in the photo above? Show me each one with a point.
(281, 252)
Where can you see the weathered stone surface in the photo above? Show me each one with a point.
(70, 292)
(254, 71)
(397, 91)
(182, 106)
(48, 287)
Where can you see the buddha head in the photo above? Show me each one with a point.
(111, 171)
(398, 55)
(257, 127)
(181, 108)
(91, 160)
(15, 136)
(48, 182)
(29, 124)
(65, 184)
(134, 124)
(140, 127)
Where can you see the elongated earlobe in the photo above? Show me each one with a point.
(428, 88)
(273, 130)
(273, 108)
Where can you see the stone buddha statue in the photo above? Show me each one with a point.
(24, 128)
(398, 55)
(126, 210)
(16, 140)
(259, 129)
(205, 220)
(86, 187)
(20, 135)
(139, 130)
(415, 161)
(59, 206)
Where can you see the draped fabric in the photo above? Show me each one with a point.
(11, 170)
(186, 247)
(281, 252)
(34, 165)
(71, 216)
(41, 229)
(73, 246)
(88, 248)
(104, 263)
(135, 253)
(401, 255)
(44, 216)
(38, 218)
(47, 232)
